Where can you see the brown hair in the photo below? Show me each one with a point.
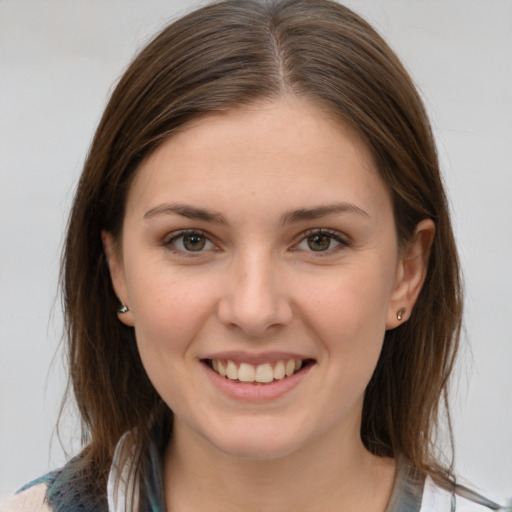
(217, 58)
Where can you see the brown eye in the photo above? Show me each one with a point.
(323, 242)
(319, 242)
(189, 243)
(194, 242)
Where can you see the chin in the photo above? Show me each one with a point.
(253, 443)
(257, 450)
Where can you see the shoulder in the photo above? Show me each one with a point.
(436, 499)
(63, 490)
(30, 499)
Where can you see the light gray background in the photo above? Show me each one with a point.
(58, 61)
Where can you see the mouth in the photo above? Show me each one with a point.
(265, 373)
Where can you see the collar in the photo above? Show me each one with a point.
(407, 492)
(122, 486)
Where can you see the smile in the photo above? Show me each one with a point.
(265, 373)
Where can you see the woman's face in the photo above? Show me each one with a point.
(261, 242)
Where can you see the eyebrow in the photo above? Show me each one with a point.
(302, 214)
(318, 212)
(190, 212)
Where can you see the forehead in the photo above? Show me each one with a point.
(286, 151)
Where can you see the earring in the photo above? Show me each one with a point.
(400, 313)
(123, 308)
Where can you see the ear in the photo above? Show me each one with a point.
(115, 265)
(411, 274)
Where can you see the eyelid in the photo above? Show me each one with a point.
(341, 239)
(170, 238)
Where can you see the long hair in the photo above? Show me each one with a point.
(218, 58)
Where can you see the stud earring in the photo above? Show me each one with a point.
(123, 309)
(400, 313)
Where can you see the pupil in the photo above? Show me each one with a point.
(319, 242)
(193, 242)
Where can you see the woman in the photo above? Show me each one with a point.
(260, 278)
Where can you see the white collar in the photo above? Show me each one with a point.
(121, 482)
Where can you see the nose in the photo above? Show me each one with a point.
(254, 298)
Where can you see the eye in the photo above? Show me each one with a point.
(189, 241)
(321, 240)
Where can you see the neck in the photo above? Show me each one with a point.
(199, 477)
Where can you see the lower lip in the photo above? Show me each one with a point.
(250, 392)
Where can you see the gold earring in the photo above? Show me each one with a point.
(400, 313)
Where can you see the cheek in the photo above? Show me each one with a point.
(348, 312)
(168, 317)
(348, 300)
(170, 312)
(169, 308)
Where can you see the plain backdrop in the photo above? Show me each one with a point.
(58, 63)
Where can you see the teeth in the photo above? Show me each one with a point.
(290, 367)
(279, 371)
(262, 373)
(232, 371)
(246, 373)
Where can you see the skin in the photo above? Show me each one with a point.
(258, 288)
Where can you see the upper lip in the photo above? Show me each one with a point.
(255, 358)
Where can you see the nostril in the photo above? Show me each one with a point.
(254, 306)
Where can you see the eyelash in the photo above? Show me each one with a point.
(332, 235)
(174, 237)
